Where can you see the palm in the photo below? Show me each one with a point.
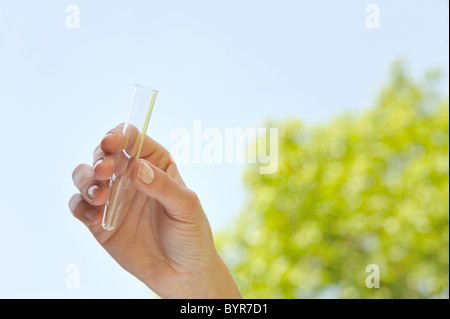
(147, 240)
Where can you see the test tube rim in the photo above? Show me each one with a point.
(144, 87)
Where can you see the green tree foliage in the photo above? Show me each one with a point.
(363, 189)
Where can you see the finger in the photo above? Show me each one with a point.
(92, 190)
(172, 171)
(112, 142)
(151, 150)
(103, 164)
(98, 154)
(88, 214)
(180, 202)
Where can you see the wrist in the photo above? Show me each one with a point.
(213, 282)
(221, 284)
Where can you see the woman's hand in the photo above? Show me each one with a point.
(163, 236)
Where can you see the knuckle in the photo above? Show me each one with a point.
(166, 160)
(172, 161)
(192, 201)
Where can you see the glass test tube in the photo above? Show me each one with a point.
(134, 132)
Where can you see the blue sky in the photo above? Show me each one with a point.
(227, 63)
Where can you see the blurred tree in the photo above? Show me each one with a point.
(365, 189)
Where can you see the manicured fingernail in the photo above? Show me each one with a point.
(145, 173)
(90, 214)
(93, 191)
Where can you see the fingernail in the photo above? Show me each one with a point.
(145, 173)
(93, 191)
(90, 214)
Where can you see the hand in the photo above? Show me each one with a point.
(163, 236)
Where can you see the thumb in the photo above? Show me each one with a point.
(180, 202)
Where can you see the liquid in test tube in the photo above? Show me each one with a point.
(134, 132)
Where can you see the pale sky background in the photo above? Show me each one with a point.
(227, 63)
